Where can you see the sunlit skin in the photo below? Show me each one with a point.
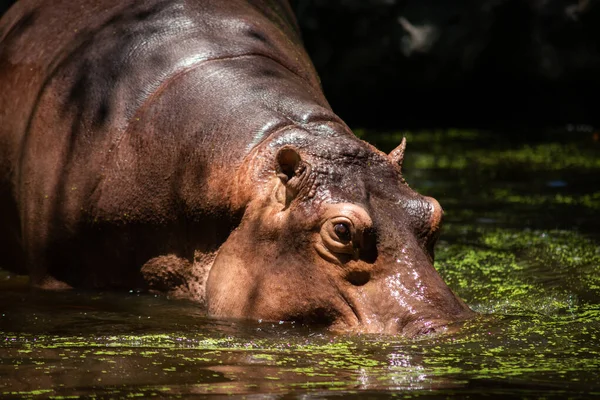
(537, 287)
(363, 247)
(187, 148)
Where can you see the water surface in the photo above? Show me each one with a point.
(521, 244)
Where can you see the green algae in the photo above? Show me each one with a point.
(537, 287)
(388, 140)
(461, 149)
(591, 200)
(498, 268)
(473, 354)
(547, 156)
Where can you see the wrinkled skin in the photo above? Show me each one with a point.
(369, 239)
(186, 147)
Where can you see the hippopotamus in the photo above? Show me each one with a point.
(186, 147)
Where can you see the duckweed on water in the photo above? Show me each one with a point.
(461, 149)
(389, 140)
(547, 157)
(591, 200)
(500, 269)
(538, 290)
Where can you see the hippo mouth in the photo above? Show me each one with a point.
(423, 327)
(362, 317)
(413, 328)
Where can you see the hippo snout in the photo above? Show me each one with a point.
(412, 329)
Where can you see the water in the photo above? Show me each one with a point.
(521, 244)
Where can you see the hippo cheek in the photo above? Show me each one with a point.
(258, 282)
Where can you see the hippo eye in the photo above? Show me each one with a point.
(337, 235)
(342, 231)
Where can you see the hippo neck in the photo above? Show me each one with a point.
(258, 100)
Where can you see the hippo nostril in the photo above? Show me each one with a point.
(358, 278)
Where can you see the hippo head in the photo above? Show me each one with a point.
(333, 235)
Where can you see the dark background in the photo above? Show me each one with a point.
(508, 64)
(516, 64)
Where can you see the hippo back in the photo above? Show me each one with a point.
(186, 147)
(117, 54)
(124, 113)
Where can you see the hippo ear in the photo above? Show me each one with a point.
(292, 171)
(397, 155)
(288, 161)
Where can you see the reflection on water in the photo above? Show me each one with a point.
(519, 247)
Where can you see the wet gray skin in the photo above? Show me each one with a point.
(341, 240)
(187, 148)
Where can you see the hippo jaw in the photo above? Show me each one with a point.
(302, 253)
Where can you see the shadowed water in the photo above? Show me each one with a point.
(521, 244)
